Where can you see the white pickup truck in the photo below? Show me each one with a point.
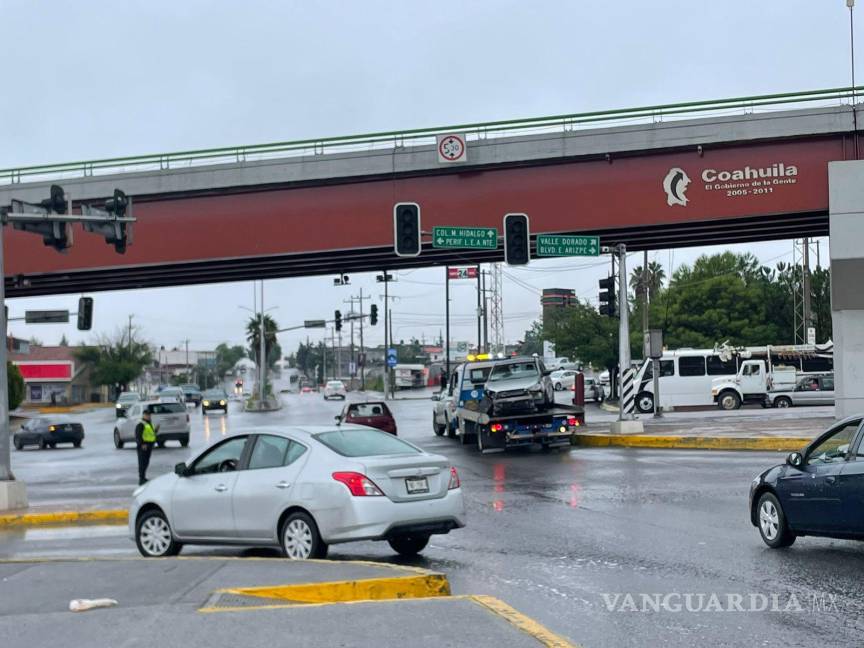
(751, 384)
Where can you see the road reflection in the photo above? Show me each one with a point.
(499, 476)
(212, 428)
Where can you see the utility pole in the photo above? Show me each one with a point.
(447, 319)
(485, 312)
(186, 342)
(479, 313)
(385, 278)
(363, 366)
(262, 371)
(130, 333)
(805, 288)
(335, 357)
(352, 369)
(645, 293)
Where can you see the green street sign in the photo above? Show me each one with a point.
(475, 238)
(559, 245)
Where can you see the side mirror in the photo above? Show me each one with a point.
(548, 372)
(436, 396)
(181, 469)
(795, 459)
(338, 418)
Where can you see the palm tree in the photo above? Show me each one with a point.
(656, 275)
(253, 330)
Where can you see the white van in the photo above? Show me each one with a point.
(685, 378)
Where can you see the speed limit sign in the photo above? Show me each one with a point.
(451, 148)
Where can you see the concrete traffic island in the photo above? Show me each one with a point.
(228, 602)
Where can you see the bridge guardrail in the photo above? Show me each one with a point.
(424, 136)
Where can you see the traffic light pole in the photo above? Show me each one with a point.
(386, 337)
(5, 457)
(626, 423)
(447, 320)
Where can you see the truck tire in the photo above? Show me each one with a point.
(729, 400)
(645, 402)
(439, 429)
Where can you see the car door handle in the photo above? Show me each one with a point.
(283, 484)
(221, 488)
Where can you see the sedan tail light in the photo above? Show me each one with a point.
(359, 484)
(454, 479)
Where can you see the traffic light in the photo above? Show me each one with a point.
(373, 314)
(56, 234)
(406, 229)
(337, 319)
(607, 297)
(85, 313)
(115, 232)
(516, 239)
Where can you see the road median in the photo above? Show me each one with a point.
(690, 442)
(31, 518)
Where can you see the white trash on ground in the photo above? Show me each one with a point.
(82, 605)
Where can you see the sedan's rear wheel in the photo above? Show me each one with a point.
(772, 522)
(408, 545)
(300, 539)
(153, 536)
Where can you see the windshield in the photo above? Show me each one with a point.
(128, 397)
(364, 443)
(214, 393)
(513, 371)
(166, 408)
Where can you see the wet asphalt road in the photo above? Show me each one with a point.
(562, 535)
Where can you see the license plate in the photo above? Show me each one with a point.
(416, 485)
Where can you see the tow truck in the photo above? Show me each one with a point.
(503, 403)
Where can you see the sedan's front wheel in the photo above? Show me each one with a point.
(409, 545)
(300, 538)
(153, 536)
(772, 522)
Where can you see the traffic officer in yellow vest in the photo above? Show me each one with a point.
(145, 437)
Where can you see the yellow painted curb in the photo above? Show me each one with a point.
(112, 516)
(690, 442)
(524, 623)
(369, 589)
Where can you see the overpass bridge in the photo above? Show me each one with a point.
(723, 171)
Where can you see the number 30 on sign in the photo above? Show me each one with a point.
(451, 148)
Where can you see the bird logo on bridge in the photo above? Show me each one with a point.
(675, 185)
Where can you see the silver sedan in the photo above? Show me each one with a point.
(300, 489)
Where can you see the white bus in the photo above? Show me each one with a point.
(685, 378)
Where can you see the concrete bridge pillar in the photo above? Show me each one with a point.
(846, 218)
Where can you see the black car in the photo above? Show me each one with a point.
(819, 491)
(47, 432)
(192, 394)
(214, 399)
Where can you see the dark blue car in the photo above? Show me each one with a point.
(819, 491)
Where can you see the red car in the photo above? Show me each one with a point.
(373, 414)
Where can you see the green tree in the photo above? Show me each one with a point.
(253, 336)
(654, 279)
(532, 342)
(582, 332)
(227, 357)
(115, 361)
(16, 385)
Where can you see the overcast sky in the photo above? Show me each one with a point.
(90, 79)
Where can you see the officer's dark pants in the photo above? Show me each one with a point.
(144, 451)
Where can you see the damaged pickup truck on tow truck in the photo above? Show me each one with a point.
(509, 402)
